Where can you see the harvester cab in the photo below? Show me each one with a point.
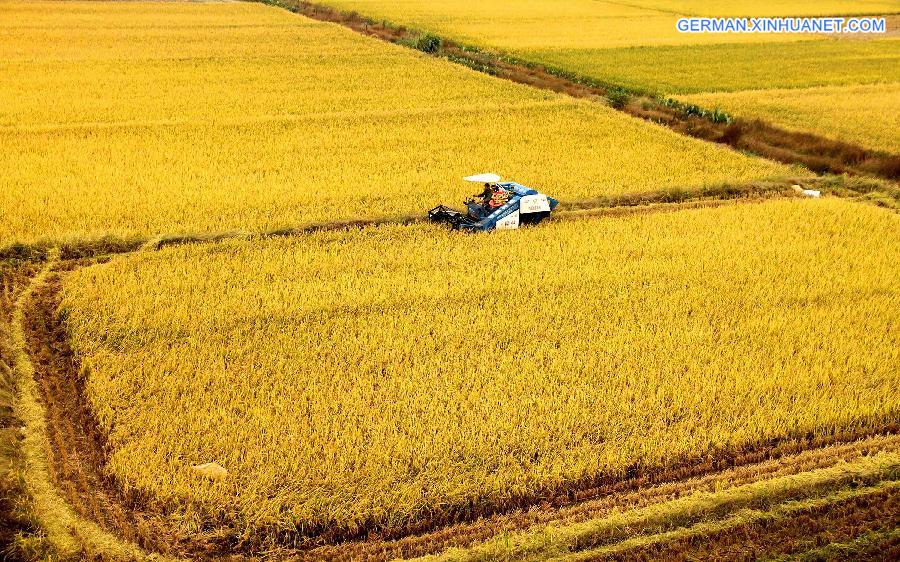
(503, 205)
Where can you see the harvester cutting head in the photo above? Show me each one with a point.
(502, 205)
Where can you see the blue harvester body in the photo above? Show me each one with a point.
(524, 206)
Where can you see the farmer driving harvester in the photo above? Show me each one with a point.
(501, 205)
(485, 194)
(493, 196)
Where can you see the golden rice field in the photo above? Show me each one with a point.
(628, 44)
(636, 45)
(537, 24)
(734, 67)
(782, 8)
(866, 115)
(384, 374)
(205, 117)
(613, 383)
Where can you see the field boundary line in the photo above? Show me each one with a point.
(623, 211)
(741, 518)
(868, 190)
(819, 154)
(667, 200)
(617, 530)
(71, 535)
(615, 204)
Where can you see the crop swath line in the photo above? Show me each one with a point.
(872, 545)
(734, 530)
(816, 152)
(643, 494)
(666, 200)
(792, 531)
(787, 528)
(79, 455)
(698, 514)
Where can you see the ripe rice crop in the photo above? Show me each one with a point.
(542, 24)
(639, 46)
(385, 374)
(866, 115)
(221, 116)
(731, 67)
(762, 8)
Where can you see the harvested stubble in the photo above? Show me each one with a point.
(703, 514)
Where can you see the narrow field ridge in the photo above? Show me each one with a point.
(60, 525)
(874, 191)
(614, 205)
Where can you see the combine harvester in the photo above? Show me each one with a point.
(501, 206)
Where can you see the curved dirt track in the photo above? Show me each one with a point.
(79, 452)
(627, 495)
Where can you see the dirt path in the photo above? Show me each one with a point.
(79, 450)
(611, 206)
(665, 200)
(626, 495)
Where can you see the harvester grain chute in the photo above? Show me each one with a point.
(502, 205)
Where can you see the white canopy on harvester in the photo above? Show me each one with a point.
(483, 178)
